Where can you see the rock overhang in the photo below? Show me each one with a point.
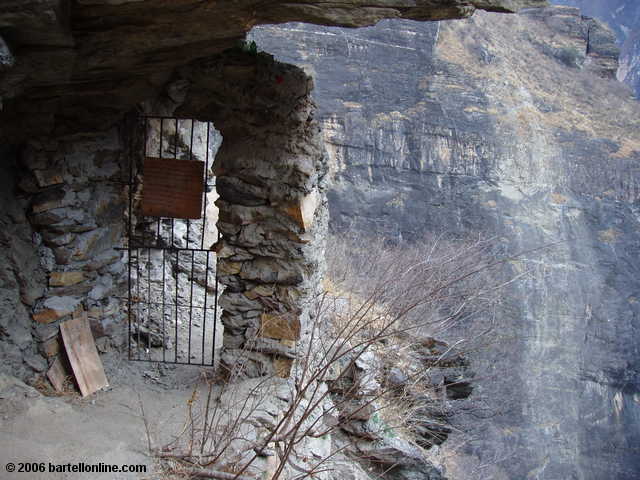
(78, 66)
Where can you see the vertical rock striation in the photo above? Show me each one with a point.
(449, 128)
(22, 278)
(623, 17)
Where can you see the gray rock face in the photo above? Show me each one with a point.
(620, 15)
(21, 277)
(272, 204)
(446, 128)
(623, 17)
(62, 217)
(629, 70)
(82, 65)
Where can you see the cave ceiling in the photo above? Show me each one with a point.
(79, 65)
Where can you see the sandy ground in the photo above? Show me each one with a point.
(105, 427)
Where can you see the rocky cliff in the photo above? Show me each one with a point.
(450, 128)
(623, 16)
(69, 74)
(77, 66)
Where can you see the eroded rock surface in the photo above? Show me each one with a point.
(22, 278)
(68, 67)
(623, 17)
(271, 177)
(447, 128)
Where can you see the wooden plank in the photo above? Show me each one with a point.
(57, 375)
(83, 355)
(172, 188)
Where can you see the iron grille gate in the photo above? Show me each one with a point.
(172, 282)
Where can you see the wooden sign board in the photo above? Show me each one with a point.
(172, 188)
(83, 355)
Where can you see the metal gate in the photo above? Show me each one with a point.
(172, 284)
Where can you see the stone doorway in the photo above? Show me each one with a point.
(172, 300)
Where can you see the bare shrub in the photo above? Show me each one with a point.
(612, 89)
(427, 287)
(437, 288)
(382, 305)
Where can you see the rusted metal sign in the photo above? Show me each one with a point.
(172, 188)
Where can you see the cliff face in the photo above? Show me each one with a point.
(70, 72)
(21, 280)
(630, 61)
(623, 16)
(77, 66)
(449, 128)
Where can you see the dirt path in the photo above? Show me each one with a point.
(106, 427)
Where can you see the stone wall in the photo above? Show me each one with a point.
(527, 147)
(271, 178)
(22, 278)
(72, 193)
(59, 76)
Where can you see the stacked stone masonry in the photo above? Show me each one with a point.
(75, 206)
(270, 176)
(271, 180)
(77, 68)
